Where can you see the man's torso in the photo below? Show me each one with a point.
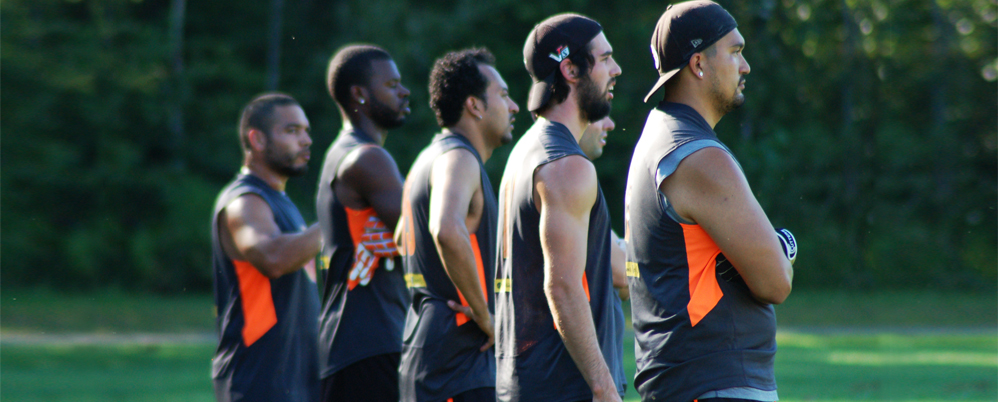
(532, 361)
(368, 320)
(268, 336)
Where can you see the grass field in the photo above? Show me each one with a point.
(949, 353)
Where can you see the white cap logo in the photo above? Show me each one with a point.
(654, 56)
(696, 42)
(560, 53)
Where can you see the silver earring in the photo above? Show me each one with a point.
(700, 73)
(362, 101)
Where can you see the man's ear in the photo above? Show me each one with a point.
(359, 94)
(474, 106)
(257, 140)
(696, 64)
(569, 70)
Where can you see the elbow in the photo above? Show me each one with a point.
(556, 291)
(776, 293)
(272, 266)
(271, 270)
(445, 234)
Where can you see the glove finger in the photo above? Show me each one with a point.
(368, 272)
(374, 223)
(376, 236)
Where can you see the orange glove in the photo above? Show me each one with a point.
(376, 243)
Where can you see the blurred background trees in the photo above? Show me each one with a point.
(869, 128)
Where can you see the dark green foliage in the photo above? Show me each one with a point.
(869, 128)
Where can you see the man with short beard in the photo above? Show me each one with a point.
(358, 203)
(556, 332)
(447, 235)
(264, 264)
(704, 263)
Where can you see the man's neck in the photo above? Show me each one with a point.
(700, 103)
(568, 114)
(268, 175)
(364, 124)
(469, 130)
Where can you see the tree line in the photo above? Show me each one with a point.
(870, 127)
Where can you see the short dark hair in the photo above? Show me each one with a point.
(584, 60)
(454, 78)
(259, 114)
(351, 65)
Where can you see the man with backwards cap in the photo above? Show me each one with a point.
(704, 263)
(556, 321)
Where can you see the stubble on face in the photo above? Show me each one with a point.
(592, 99)
(283, 162)
(385, 116)
(725, 100)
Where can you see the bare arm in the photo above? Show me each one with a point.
(709, 189)
(371, 178)
(566, 190)
(455, 180)
(251, 234)
(618, 262)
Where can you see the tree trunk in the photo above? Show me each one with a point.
(274, 44)
(176, 89)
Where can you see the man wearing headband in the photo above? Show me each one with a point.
(704, 264)
(556, 321)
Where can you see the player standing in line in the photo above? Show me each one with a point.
(267, 303)
(704, 321)
(448, 235)
(359, 197)
(556, 320)
(592, 142)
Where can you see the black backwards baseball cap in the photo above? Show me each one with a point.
(684, 29)
(550, 42)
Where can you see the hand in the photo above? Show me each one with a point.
(788, 243)
(485, 322)
(375, 243)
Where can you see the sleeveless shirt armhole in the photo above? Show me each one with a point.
(668, 165)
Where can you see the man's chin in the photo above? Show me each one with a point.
(738, 101)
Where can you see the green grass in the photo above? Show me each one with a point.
(833, 346)
(809, 367)
(887, 367)
(126, 373)
(43, 311)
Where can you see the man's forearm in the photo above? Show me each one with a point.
(287, 253)
(459, 263)
(574, 321)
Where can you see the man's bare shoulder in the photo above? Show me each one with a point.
(569, 179)
(246, 205)
(456, 158)
(705, 180)
(707, 167)
(369, 162)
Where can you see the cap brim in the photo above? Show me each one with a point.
(661, 81)
(540, 94)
